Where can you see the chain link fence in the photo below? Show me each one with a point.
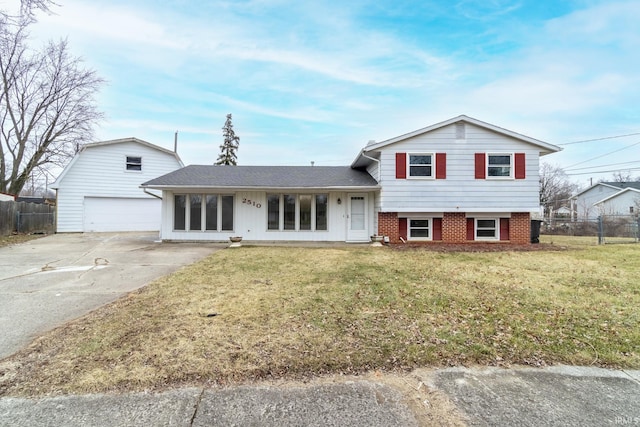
(608, 229)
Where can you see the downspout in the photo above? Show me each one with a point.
(151, 194)
(375, 160)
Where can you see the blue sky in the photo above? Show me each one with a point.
(314, 81)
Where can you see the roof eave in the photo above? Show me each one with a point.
(546, 147)
(256, 188)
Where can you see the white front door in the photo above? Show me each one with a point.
(357, 218)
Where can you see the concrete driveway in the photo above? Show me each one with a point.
(46, 282)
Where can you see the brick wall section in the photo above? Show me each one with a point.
(388, 226)
(454, 227)
(520, 228)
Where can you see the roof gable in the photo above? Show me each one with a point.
(545, 148)
(619, 193)
(612, 185)
(99, 144)
(276, 177)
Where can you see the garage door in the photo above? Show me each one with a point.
(121, 214)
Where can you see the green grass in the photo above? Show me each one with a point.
(295, 313)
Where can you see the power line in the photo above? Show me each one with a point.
(603, 166)
(603, 155)
(599, 139)
(607, 171)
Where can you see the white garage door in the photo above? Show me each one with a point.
(121, 214)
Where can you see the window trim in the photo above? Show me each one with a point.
(314, 225)
(512, 165)
(429, 228)
(203, 213)
(432, 165)
(496, 221)
(128, 163)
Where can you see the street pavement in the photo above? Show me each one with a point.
(554, 396)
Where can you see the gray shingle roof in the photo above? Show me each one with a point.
(264, 177)
(633, 184)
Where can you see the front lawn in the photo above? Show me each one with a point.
(280, 312)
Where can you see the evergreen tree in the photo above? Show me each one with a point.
(229, 146)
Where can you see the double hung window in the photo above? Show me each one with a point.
(487, 229)
(419, 229)
(499, 165)
(421, 165)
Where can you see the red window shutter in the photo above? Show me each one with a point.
(481, 168)
(402, 228)
(441, 165)
(504, 228)
(520, 166)
(401, 165)
(437, 228)
(471, 229)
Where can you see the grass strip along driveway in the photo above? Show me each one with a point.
(279, 312)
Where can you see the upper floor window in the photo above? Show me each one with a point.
(499, 165)
(421, 165)
(134, 163)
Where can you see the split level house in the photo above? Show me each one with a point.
(607, 198)
(458, 181)
(99, 190)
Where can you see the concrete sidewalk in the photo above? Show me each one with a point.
(555, 396)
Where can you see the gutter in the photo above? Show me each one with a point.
(151, 194)
(375, 160)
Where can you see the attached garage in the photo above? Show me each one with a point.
(99, 190)
(121, 214)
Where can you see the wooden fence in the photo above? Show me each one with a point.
(24, 217)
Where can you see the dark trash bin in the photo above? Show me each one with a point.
(535, 230)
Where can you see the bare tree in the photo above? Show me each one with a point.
(621, 176)
(555, 188)
(28, 9)
(47, 105)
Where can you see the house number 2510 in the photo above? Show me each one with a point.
(251, 202)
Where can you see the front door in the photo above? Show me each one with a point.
(357, 218)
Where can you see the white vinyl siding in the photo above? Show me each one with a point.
(251, 219)
(460, 191)
(100, 171)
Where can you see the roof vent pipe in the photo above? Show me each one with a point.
(175, 143)
(313, 163)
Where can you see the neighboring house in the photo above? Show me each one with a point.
(100, 188)
(4, 197)
(460, 180)
(562, 212)
(606, 198)
(624, 202)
